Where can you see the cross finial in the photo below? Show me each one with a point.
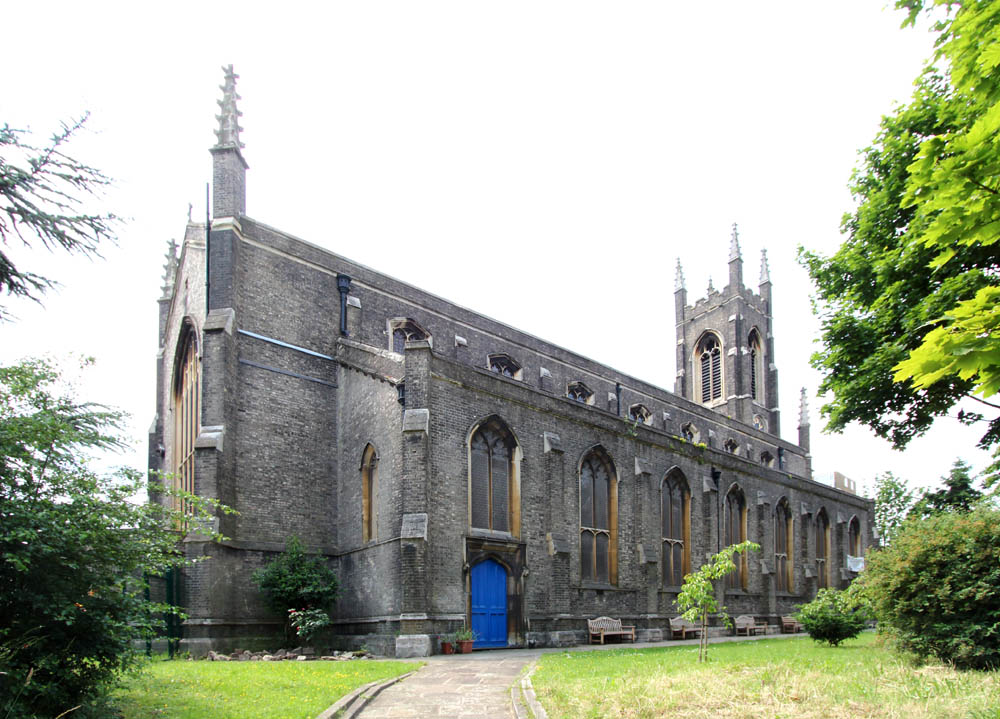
(679, 277)
(734, 245)
(765, 273)
(228, 134)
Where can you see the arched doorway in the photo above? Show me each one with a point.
(488, 603)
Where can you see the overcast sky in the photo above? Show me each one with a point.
(544, 163)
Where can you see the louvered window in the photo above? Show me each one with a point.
(675, 530)
(491, 453)
(710, 358)
(597, 520)
(756, 367)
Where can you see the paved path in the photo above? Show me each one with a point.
(470, 685)
(478, 684)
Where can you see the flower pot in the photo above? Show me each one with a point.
(465, 646)
(447, 648)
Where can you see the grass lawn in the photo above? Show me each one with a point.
(236, 690)
(765, 679)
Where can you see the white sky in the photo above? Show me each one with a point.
(544, 163)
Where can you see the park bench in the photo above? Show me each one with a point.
(681, 628)
(790, 626)
(607, 627)
(745, 624)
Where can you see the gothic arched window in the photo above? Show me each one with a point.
(502, 364)
(639, 413)
(406, 330)
(854, 538)
(783, 559)
(369, 494)
(492, 495)
(579, 392)
(756, 367)
(598, 519)
(708, 355)
(735, 522)
(822, 550)
(675, 523)
(187, 401)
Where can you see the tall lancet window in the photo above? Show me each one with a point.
(783, 560)
(709, 359)
(735, 527)
(491, 455)
(756, 367)
(369, 494)
(675, 518)
(822, 550)
(186, 414)
(598, 519)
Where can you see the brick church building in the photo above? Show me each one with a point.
(453, 470)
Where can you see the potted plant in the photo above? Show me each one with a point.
(464, 637)
(447, 644)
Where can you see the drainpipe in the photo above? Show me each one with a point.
(343, 285)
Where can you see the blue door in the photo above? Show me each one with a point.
(489, 604)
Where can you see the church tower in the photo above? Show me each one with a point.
(725, 346)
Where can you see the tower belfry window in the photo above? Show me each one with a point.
(709, 359)
(756, 367)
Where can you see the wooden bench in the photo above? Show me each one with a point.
(789, 625)
(681, 628)
(607, 627)
(745, 624)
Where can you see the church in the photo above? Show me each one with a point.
(454, 471)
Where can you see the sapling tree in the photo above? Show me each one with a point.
(696, 599)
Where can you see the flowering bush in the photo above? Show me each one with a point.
(308, 621)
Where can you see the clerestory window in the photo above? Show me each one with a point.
(406, 330)
(579, 392)
(502, 364)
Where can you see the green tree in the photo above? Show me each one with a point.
(75, 549)
(957, 495)
(696, 600)
(920, 248)
(42, 192)
(893, 501)
(936, 588)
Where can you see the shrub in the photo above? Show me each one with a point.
(936, 588)
(831, 617)
(296, 581)
(307, 622)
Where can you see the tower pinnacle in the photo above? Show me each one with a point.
(803, 409)
(169, 269)
(679, 277)
(765, 273)
(228, 134)
(734, 245)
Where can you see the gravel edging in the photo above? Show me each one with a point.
(350, 705)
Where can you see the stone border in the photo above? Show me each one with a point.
(350, 705)
(523, 692)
